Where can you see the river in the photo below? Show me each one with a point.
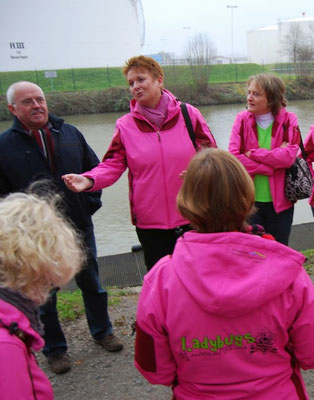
(113, 229)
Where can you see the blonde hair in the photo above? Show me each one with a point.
(144, 63)
(217, 193)
(39, 250)
(274, 89)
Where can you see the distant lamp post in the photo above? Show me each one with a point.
(232, 8)
(163, 51)
(186, 29)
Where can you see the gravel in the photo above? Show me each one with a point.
(99, 375)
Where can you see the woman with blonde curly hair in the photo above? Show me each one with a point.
(38, 251)
(230, 314)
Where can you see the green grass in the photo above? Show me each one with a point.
(70, 304)
(67, 80)
(102, 78)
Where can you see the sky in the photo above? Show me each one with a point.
(170, 23)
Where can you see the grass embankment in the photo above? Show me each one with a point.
(99, 90)
(70, 304)
(77, 79)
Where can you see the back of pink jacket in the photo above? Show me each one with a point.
(228, 316)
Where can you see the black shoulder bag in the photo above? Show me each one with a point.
(188, 124)
(299, 180)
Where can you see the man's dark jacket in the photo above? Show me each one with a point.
(23, 162)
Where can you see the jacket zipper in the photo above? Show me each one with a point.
(164, 178)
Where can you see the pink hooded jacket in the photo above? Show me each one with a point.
(20, 375)
(267, 162)
(155, 159)
(228, 316)
(309, 149)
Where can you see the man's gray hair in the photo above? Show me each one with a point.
(11, 90)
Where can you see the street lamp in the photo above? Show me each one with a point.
(163, 51)
(232, 8)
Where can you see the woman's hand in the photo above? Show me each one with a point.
(77, 183)
(284, 144)
(182, 174)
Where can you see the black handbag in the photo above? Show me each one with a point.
(299, 180)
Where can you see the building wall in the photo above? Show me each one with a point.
(42, 34)
(265, 45)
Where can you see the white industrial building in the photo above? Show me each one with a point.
(42, 34)
(265, 45)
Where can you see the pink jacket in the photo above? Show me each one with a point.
(267, 162)
(20, 375)
(309, 149)
(228, 316)
(155, 160)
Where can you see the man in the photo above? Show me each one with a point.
(40, 145)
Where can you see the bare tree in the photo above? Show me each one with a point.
(200, 53)
(297, 46)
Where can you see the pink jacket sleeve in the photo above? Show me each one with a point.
(113, 165)
(153, 356)
(15, 382)
(302, 330)
(281, 157)
(309, 144)
(236, 148)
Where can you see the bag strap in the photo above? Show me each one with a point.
(286, 139)
(188, 124)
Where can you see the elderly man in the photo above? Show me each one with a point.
(40, 145)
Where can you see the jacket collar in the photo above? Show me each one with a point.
(173, 108)
(279, 117)
(56, 123)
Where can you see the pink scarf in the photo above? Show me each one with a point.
(156, 116)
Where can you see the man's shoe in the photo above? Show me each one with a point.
(59, 363)
(110, 343)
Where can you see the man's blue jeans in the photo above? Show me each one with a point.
(95, 301)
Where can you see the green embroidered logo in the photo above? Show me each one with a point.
(217, 343)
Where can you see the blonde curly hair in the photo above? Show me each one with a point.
(39, 250)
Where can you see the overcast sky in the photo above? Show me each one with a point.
(169, 23)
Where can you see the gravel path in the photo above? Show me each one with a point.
(100, 375)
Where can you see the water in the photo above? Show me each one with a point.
(113, 229)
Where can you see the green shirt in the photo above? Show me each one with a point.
(261, 182)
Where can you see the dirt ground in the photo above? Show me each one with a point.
(100, 375)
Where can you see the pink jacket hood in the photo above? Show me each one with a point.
(228, 316)
(250, 270)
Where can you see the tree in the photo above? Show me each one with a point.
(200, 53)
(297, 46)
